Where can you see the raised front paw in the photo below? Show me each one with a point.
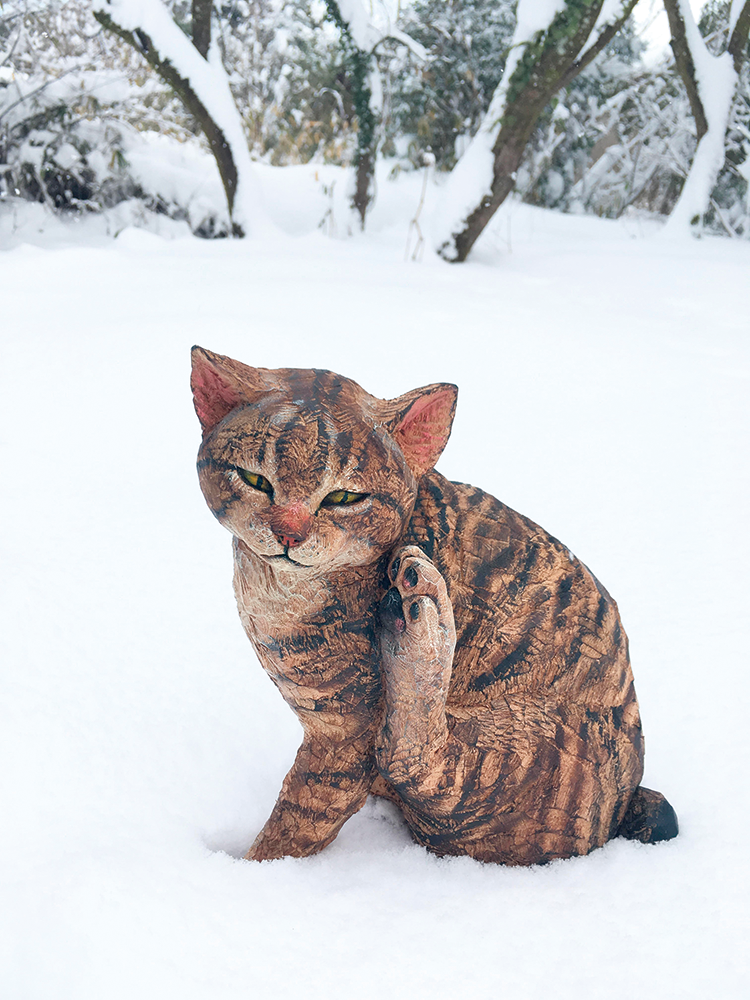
(416, 615)
(417, 639)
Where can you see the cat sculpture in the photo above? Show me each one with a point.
(438, 648)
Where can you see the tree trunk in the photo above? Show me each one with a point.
(199, 81)
(363, 184)
(201, 27)
(685, 65)
(357, 62)
(551, 59)
(216, 138)
(710, 82)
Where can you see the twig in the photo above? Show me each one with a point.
(414, 226)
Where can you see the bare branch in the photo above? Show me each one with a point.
(599, 45)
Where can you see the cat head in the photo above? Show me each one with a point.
(305, 467)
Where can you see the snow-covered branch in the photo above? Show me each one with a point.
(368, 28)
(613, 16)
(710, 81)
(202, 85)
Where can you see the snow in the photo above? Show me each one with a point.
(179, 173)
(533, 16)
(603, 392)
(361, 27)
(371, 22)
(470, 180)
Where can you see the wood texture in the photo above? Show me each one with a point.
(437, 647)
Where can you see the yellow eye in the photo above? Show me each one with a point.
(339, 497)
(257, 482)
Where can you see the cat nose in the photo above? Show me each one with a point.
(291, 524)
(288, 540)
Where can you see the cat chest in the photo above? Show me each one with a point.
(321, 673)
(319, 652)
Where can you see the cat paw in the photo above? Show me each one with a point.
(417, 639)
(416, 614)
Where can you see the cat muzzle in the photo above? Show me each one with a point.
(288, 541)
(291, 524)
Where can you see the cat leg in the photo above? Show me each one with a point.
(328, 782)
(417, 641)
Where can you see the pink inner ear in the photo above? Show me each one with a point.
(214, 398)
(423, 432)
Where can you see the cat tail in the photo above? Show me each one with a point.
(649, 818)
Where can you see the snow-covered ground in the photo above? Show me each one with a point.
(604, 379)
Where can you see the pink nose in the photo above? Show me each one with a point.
(291, 524)
(288, 540)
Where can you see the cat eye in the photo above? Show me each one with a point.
(339, 497)
(257, 482)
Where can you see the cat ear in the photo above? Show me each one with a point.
(420, 423)
(221, 384)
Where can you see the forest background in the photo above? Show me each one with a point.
(403, 86)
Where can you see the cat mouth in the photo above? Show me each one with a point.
(287, 558)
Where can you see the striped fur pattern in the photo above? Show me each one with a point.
(438, 648)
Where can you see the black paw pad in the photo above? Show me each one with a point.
(414, 611)
(391, 611)
(410, 577)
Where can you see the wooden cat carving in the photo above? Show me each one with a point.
(438, 648)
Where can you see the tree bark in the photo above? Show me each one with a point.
(599, 45)
(201, 27)
(363, 184)
(685, 65)
(548, 63)
(737, 47)
(357, 61)
(696, 66)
